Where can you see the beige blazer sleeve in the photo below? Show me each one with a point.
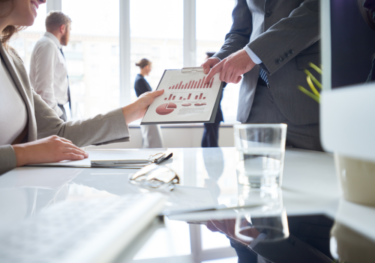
(101, 129)
(43, 121)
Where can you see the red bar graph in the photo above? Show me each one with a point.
(200, 97)
(194, 84)
(170, 97)
(173, 97)
(189, 96)
(196, 97)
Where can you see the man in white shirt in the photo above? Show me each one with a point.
(48, 71)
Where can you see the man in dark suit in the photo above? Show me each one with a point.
(270, 43)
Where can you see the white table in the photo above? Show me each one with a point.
(208, 177)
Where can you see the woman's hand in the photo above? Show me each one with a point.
(48, 150)
(138, 109)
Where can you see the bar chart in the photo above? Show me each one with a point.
(193, 84)
(186, 96)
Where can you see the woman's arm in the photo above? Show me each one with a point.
(51, 149)
(101, 129)
(55, 148)
(8, 159)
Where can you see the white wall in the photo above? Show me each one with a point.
(177, 137)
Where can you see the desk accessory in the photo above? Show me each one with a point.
(155, 158)
(115, 158)
(155, 177)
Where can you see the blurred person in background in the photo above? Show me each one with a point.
(48, 71)
(211, 130)
(151, 134)
(30, 131)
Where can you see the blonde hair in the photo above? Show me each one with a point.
(143, 63)
(9, 31)
(55, 19)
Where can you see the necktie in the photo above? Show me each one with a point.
(263, 75)
(70, 103)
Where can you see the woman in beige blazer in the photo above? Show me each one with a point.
(41, 135)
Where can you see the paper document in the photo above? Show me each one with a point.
(109, 154)
(186, 98)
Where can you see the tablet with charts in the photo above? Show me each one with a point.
(186, 99)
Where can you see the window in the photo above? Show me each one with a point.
(25, 40)
(156, 34)
(92, 56)
(212, 25)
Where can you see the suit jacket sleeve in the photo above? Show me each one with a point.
(101, 129)
(8, 159)
(239, 34)
(288, 37)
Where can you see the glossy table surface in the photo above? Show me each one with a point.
(208, 180)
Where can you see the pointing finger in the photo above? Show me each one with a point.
(206, 66)
(213, 71)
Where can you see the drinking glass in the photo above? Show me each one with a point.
(260, 150)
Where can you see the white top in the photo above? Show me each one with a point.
(48, 72)
(13, 114)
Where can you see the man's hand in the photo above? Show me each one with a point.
(209, 63)
(231, 68)
(48, 150)
(137, 109)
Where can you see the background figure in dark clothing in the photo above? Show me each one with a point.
(151, 134)
(211, 130)
(141, 85)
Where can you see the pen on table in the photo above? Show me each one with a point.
(158, 160)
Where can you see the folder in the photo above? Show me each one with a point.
(115, 158)
(186, 98)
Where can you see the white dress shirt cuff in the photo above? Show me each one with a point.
(253, 56)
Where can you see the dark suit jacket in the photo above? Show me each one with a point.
(285, 35)
(141, 85)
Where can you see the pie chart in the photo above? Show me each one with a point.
(166, 108)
